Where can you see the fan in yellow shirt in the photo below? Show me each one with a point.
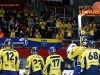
(59, 36)
(69, 32)
(92, 26)
(83, 32)
(69, 25)
(58, 22)
(42, 24)
(31, 12)
(29, 19)
(38, 35)
(29, 31)
(25, 12)
(64, 25)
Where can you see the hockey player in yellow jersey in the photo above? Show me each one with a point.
(9, 59)
(54, 63)
(35, 63)
(74, 53)
(90, 60)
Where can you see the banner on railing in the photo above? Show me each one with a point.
(30, 42)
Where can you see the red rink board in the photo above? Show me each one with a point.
(25, 52)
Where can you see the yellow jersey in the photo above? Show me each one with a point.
(34, 62)
(54, 65)
(76, 53)
(90, 57)
(10, 59)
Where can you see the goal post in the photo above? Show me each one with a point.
(80, 27)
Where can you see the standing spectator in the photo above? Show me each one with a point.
(69, 32)
(4, 23)
(58, 22)
(29, 19)
(36, 18)
(12, 24)
(32, 24)
(21, 34)
(92, 26)
(59, 36)
(61, 32)
(29, 32)
(83, 31)
(31, 12)
(74, 24)
(42, 25)
(5, 30)
(49, 33)
(1, 34)
(64, 25)
(86, 25)
(4, 27)
(2, 13)
(37, 26)
(52, 15)
(87, 32)
(12, 33)
(69, 25)
(25, 13)
(38, 35)
(51, 23)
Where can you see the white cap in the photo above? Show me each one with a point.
(71, 46)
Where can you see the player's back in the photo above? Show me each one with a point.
(76, 54)
(37, 62)
(9, 59)
(55, 64)
(92, 57)
(77, 51)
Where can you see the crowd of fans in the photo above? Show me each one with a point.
(48, 25)
(26, 23)
(91, 30)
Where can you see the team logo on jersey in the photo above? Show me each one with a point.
(44, 42)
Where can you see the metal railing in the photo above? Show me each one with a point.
(64, 12)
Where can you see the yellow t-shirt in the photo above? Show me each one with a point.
(42, 24)
(69, 32)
